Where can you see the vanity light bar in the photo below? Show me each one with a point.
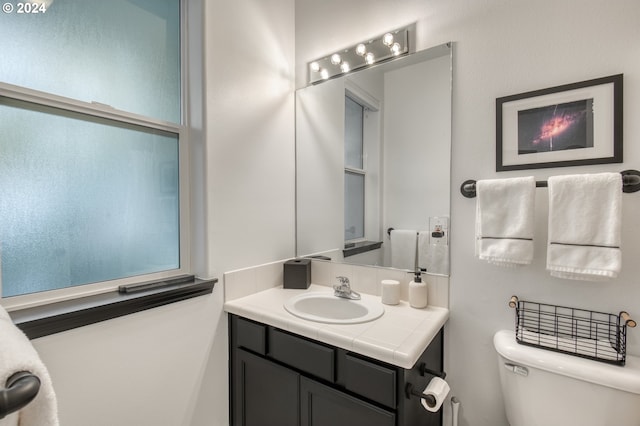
(387, 46)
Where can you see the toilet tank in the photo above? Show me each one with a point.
(546, 388)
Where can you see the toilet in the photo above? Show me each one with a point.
(545, 388)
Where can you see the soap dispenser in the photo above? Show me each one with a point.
(418, 291)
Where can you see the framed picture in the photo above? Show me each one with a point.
(570, 125)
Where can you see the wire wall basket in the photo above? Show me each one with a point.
(587, 334)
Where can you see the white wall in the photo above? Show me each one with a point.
(250, 164)
(503, 48)
(250, 132)
(168, 366)
(141, 369)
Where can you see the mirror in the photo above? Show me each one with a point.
(373, 152)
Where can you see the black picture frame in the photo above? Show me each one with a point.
(569, 125)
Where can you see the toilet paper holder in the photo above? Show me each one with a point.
(422, 368)
(410, 391)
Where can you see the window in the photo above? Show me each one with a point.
(122, 53)
(93, 183)
(354, 173)
(362, 192)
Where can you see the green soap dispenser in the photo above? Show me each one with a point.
(418, 291)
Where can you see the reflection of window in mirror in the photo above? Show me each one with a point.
(354, 171)
(362, 164)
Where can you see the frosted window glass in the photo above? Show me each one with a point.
(83, 199)
(117, 52)
(354, 206)
(353, 139)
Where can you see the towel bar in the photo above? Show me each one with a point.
(21, 389)
(630, 183)
(392, 229)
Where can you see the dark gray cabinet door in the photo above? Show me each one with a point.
(265, 394)
(321, 405)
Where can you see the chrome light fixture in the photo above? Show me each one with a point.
(382, 48)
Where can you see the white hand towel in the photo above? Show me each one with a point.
(17, 354)
(505, 220)
(584, 226)
(403, 248)
(423, 249)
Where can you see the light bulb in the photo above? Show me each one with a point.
(361, 49)
(395, 48)
(324, 74)
(335, 59)
(387, 39)
(315, 67)
(369, 58)
(344, 67)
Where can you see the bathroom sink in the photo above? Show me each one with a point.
(327, 308)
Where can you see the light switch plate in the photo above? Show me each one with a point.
(439, 230)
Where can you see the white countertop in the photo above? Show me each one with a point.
(398, 337)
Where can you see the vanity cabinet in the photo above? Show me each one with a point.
(281, 379)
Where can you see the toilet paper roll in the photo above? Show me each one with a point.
(390, 292)
(436, 392)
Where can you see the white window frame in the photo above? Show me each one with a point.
(371, 129)
(105, 111)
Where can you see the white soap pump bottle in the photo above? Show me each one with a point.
(418, 291)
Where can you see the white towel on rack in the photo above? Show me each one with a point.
(403, 248)
(505, 220)
(18, 354)
(423, 249)
(584, 226)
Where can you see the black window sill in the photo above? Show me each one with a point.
(54, 318)
(360, 247)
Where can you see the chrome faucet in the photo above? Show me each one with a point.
(344, 289)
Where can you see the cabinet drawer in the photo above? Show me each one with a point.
(251, 336)
(307, 356)
(373, 381)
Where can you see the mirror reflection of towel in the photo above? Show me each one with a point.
(585, 226)
(403, 248)
(423, 249)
